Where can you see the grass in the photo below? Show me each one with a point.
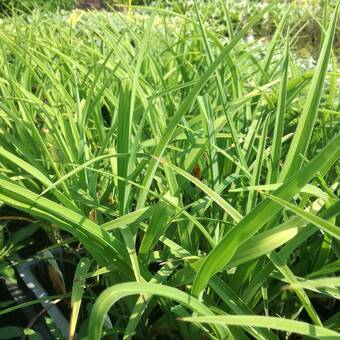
(193, 185)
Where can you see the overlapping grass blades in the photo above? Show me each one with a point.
(183, 167)
(262, 213)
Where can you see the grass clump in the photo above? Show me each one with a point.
(200, 175)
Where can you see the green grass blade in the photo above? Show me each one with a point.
(113, 294)
(77, 293)
(256, 174)
(290, 277)
(210, 192)
(324, 225)
(304, 130)
(289, 326)
(280, 115)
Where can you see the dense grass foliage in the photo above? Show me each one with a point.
(11, 7)
(192, 178)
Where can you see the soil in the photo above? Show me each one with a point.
(88, 4)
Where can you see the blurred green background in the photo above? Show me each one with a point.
(305, 15)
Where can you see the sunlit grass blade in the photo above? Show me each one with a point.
(325, 282)
(280, 115)
(324, 225)
(304, 129)
(255, 178)
(101, 245)
(110, 296)
(77, 293)
(289, 326)
(287, 273)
